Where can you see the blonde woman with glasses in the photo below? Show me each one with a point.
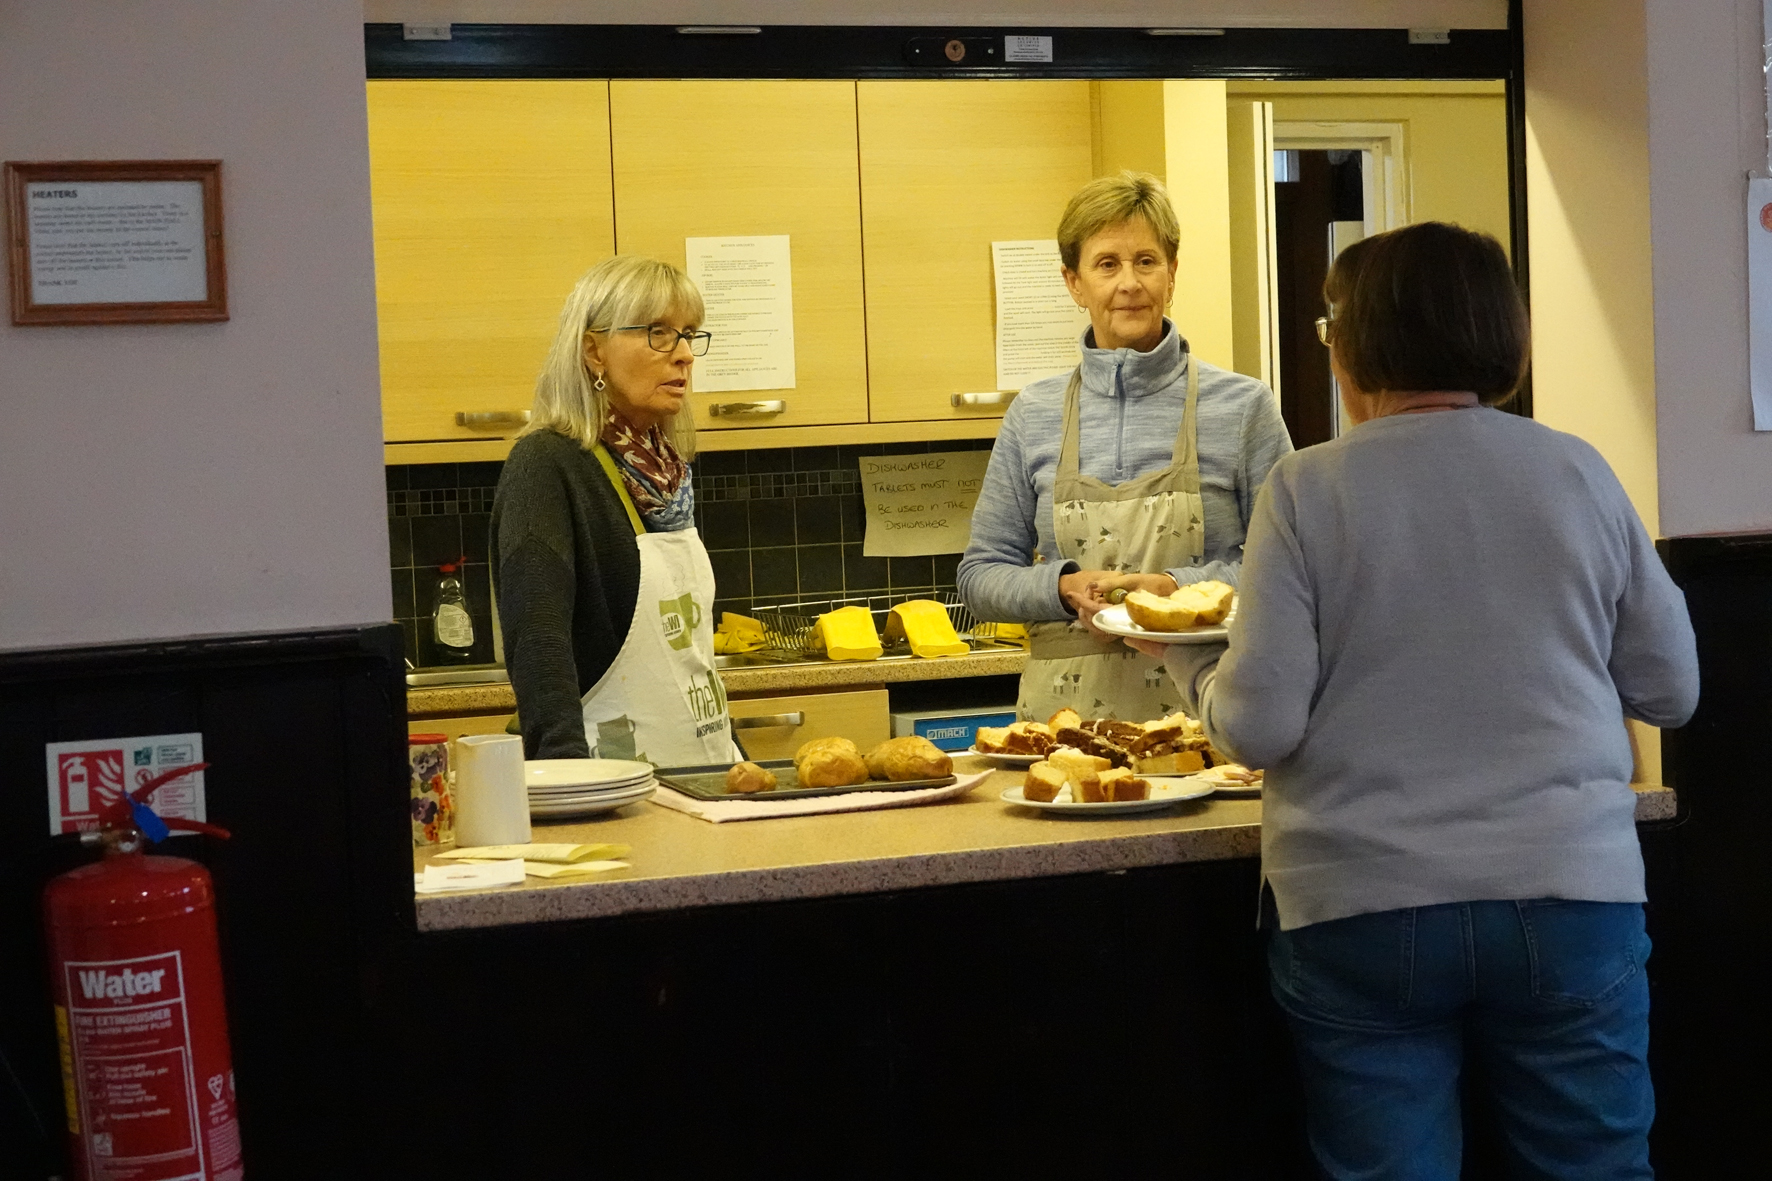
(604, 589)
(1137, 471)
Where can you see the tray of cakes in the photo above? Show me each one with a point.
(1175, 745)
(822, 767)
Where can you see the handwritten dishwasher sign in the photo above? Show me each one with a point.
(920, 504)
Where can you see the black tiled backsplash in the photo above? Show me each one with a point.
(779, 524)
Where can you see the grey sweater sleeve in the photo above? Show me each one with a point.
(1255, 702)
(1265, 441)
(998, 577)
(1654, 659)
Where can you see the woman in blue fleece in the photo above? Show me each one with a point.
(1138, 470)
(1445, 612)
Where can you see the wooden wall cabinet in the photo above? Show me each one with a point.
(948, 167)
(745, 158)
(490, 198)
(493, 197)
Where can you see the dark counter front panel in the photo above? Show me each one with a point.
(305, 736)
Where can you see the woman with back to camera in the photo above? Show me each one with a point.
(604, 589)
(1443, 613)
(1137, 470)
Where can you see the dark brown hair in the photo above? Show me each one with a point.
(1431, 306)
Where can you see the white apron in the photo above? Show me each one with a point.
(1153, 523)
(661, 701)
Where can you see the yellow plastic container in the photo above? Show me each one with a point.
(847, 634)
(925, 625)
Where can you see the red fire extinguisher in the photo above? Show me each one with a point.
(136, 974)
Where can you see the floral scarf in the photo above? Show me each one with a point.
(656, 477)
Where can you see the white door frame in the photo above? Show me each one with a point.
(1385, 152)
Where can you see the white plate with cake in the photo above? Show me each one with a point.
(1004, 758)
(1164, 792)
(1232, 779)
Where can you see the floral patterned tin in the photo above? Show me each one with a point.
(433, 808)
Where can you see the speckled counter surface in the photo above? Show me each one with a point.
(756, 679)
(680, 862)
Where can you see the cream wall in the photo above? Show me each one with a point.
(167, 480)
(1587, 180)
(1706, 131)
(1455, 138)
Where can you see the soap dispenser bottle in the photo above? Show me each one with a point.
(451, 625)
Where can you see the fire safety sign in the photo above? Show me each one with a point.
(89, 776)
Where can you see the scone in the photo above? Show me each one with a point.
(830, 762)
(907, 758)
(1156, 613)
(1209, 601)
(746, 778)
(1043, 783)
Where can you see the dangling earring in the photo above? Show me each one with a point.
(599, 385)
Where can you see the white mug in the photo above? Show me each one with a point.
(491, 794)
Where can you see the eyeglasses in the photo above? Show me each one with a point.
(665, 339)
(1325, 328)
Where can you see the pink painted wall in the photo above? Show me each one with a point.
(1707, 130)
(166, 480)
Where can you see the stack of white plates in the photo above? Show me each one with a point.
(575, 787)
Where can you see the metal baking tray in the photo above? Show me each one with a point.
(709, 783)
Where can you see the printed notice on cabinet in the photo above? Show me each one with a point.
(748, 286)
(117, 241)
(920, 504)
(1038, 323)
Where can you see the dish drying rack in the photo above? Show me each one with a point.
(787, 627)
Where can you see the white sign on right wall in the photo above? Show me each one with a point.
(1759, 297)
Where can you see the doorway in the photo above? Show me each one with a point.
(1319, 210)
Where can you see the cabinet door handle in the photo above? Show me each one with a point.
(992, 399)
(484, 419)
(720, 408)
(759, 721)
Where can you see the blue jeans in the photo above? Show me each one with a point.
(1549, 995)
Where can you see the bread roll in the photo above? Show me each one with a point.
(1043, 783)
(746, 778)
(1158, 614)
(907, 758)
(830, 762)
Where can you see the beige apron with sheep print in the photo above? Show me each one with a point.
(1153, 523)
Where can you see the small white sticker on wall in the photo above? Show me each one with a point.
(89, 776)
(1027, 49)
(1759, 299)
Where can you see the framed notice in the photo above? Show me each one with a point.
(115, 241)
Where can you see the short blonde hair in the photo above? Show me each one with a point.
(621, 290)
(1108, 201)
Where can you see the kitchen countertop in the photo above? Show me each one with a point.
(680, 862)
(757, 679)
